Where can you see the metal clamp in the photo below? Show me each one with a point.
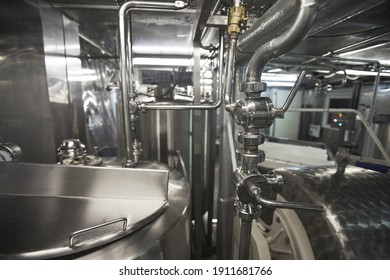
(76, 233)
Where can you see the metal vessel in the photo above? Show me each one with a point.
(200, 86)
(46, 218)
(355, 222)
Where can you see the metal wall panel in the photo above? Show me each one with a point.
(74, 76)
(25, 113)
(99, 103)
(56, 71)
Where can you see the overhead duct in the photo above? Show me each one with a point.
(280, 15)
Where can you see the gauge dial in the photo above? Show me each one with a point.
(10, 152)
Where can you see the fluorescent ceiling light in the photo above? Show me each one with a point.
(174, 50)
(279, 77)
(280, 84)
(322, 71)
(362, 73)
(162, 61)
(274, 70)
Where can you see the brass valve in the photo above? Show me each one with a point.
(237, 16)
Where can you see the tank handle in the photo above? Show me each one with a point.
(82, 231)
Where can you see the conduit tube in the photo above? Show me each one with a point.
(285, 42)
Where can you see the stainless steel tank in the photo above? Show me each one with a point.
(356, 221)
(68, 212)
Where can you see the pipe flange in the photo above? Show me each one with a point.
(253, 87)
(129, 164)
(250, 160)
(241, 113)
(251, 139)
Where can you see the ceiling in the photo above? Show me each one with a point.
(357, 29)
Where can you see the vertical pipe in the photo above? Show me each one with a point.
(230, 61)
(225, 201)
(125, 60)
(368, 147)
(197, 160)
(211, 177)
(245, 239)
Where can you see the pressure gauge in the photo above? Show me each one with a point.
(10, 152)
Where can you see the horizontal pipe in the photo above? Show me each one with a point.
(283, 43)
(182, 107)
(347, 110)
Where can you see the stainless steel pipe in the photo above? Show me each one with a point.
(264, 29)
(245, 239)
(230, 62)
(126, 65)
(149, 106)
(283, 43)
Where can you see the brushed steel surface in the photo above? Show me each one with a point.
(43, 205)
(356, 221)
(167, 237)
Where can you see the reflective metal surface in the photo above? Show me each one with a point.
(63, 73)
(167, 237)
(99, 100)
(25, 113)
(49, 211)
(10, 152)
(356, 221)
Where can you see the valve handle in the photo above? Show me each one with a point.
(279, 112)
(282, 204)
